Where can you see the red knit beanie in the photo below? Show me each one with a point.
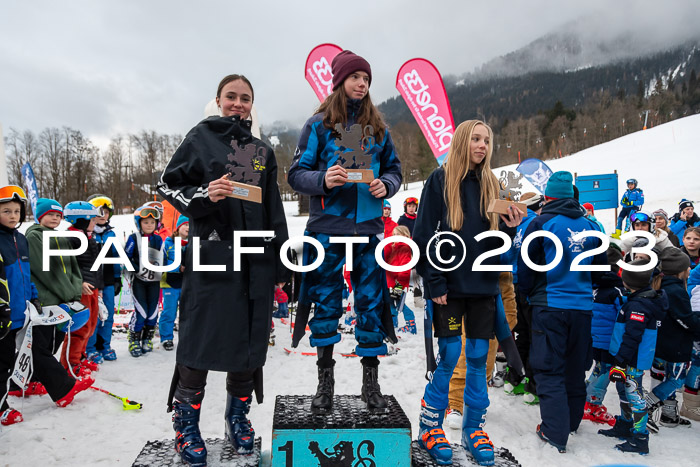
(346, 63)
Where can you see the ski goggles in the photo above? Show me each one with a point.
(155, 204)
(143, 213)
(100, 201)
(12, 193)
(640, 217)
(411, 201)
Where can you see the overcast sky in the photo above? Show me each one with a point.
(125, 66)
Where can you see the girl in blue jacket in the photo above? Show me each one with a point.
(455, 200)
(346, 132)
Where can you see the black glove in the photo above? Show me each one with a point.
(36, 303)
(5, 321)
(617, 374)
(396, 292)
(117, 286)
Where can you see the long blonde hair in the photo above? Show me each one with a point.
(457, 165)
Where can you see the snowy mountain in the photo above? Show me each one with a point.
(95, 431)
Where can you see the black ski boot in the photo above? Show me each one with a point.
(670, 415)
(621, 430)
(134, 339)
(322, 403)
(637, 442)
(371, 393)
(147, 338)
(188, 439)
(239, 431)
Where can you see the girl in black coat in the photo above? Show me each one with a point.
(225, 315)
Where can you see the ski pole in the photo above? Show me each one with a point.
(126, 403)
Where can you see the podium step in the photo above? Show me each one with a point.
(219, 453)
(460, 458)
(350, 435)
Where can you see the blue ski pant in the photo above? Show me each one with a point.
(674, 378)
(475, 390)
(171, 298)
(323, 287)
(408, 314)
(560, 354)
(633, 407)
(101, 339)
(146, 295)
(624, 213)
(692, 381)
(597, 383)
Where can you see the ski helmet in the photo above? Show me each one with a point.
(156, 204)
(104, 202)
(640, 216)
(410, 200)
(15, 193)
(146, 211)
(633, 181)
(79, 213)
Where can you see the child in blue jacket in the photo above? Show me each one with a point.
(631, 201)
(632, 347)
(608, 298)
(171, 283)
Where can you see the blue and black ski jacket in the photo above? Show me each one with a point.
(608, 298)
(16, 286)
(560, 287)
(110, 272)
(635, 335)
(349, 209)
(511, 256)
(633, 197)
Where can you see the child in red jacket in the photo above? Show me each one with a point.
(398, 254)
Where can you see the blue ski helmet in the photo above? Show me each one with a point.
(79, 213)
(633, 181)
(78, 312)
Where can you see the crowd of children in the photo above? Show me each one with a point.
(31, 296)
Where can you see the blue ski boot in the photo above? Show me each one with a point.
(474, 439)
(188, 440)
(431, 436)
(239, 432)
(637, 442)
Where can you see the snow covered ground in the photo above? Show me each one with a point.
(95, 431)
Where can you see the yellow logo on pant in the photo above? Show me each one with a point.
(452, 324)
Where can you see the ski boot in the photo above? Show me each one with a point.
(431, 436)
(653, 410)
(474, 439)
(10, 416)
(498, 380)
(636, 442)
(543, 437)
(597, 413)
(95, 357)
(670, 416)
(188, 440)
(34, 388)
(80, 385)
(134, 343)
(371, 393)
(239, 432)
(168, 345)
(530, 398)
(453, 419)
(691, 406)
(621, 429)
(511, 387)
(147, 339)
(322, 403)
(410, 327)
(109, 354)
(617, 234)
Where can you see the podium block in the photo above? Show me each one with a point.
(460, 458)
(349, 436)
(219, 453)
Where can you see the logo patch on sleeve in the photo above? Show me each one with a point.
(637, 317)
